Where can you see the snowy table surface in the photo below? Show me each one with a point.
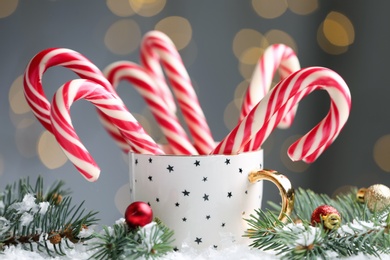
(233, 253)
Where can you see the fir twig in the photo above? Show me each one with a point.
(38, 219)
(110, 242)
(148, 242)
(362, 232)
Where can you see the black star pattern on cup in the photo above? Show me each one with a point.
(198, 240)
(186, 193)
(204, 179)
(170, 168)
(177, 204)
(227, 161)
(150, 178)
(150, 160)
(215, 246)
(136, 161)
(208, 217)
(240, 170)
(223, 225)
(197, 163)
(157, 200)
(205, 197)
(175, 249)
(184, 219)
(230, 194)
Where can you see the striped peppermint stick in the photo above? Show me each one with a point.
(266, 115)
(107, 103)
(156, 48)
(276, 57)
(149, 90)
(84, 68)
(151, 61)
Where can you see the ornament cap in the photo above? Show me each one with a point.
(360, 195)
(332, 221)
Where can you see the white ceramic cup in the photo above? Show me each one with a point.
(203, 199)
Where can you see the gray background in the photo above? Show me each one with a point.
(82, 25)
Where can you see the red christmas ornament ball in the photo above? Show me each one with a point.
(138, 214)
(327, 215)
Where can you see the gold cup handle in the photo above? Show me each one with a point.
(284, 186)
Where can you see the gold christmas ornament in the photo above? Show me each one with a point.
(377, 197)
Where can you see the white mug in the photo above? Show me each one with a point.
(204, 199)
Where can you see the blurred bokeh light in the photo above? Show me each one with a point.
(8, 7)
(49, 152)
(335, 33)
(123, 37)
(269, 8)
(220, 43)
(177, 28)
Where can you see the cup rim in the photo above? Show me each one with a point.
(260, 151)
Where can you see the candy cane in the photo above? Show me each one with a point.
(157, 47)
(275, 57)
(149, 90)
(107, 103)
(151, 61)
(264, 117)
(35, 95)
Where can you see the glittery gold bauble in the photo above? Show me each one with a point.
(377, 197)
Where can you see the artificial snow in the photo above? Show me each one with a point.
(4, 224)
(308, 237)
(232, 253)
(27, 204)
(120, 221)
(26, 219)
(43, 206)
(86, 232)
(356, 227)
(146, 232)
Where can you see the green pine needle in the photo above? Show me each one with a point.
(362, 231)
(59, 227)
(149, 242)
(41, 220)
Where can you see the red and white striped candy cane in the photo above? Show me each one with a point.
(275, 57)
(84, 68)
(107, 103)
(156, 48)
(266, 115)
(149, 90)
(151, 61)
